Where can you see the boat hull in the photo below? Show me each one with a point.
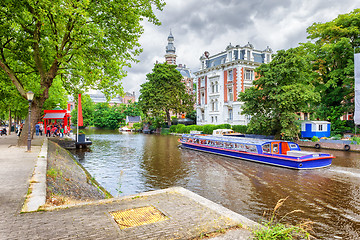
(275, 160)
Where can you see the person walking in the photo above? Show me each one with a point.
(48, 133)
(41, 129)
(37, 128)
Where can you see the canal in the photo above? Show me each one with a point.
(127, 164)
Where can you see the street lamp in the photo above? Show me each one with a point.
(30, 96)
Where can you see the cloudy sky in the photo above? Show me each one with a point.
(210, 25)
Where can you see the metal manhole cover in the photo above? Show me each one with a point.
(137, 217)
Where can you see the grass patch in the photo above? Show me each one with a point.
(53, 173)
(275, 229)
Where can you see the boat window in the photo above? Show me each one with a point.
(266, 148)
(275, 148)
(250, 148)
(292, 145)
(239, 147)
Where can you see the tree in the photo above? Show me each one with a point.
(87, 43)
(283, 88)
(164, 93)
(333, 61)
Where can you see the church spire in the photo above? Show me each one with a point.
(170, 55)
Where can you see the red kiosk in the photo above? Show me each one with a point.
(57, 115)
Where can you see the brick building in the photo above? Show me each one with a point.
(220, 79)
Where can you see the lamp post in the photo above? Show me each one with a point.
(30, 96)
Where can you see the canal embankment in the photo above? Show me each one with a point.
(185, 215)
(346, 145)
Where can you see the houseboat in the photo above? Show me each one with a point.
(273, 152)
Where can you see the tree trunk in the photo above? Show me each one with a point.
(35, 116)
(168, 119)
(10, 122)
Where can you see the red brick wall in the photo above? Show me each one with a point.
(235, 84)
(242, 79)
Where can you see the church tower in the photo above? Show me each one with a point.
(170, 55)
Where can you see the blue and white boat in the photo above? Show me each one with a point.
(273, 152)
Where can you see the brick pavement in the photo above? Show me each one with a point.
(188, 214)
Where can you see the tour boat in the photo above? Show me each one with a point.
(274, 152)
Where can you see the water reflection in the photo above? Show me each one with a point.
(133, 163)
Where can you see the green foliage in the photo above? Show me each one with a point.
(164, 93)
(332, 60)
(53, 173)
(239, 128)
(274, 229)
(283, 88)
(192, 115)
(103, 115)
(137, 126)
(314, 139)
(76, 44)
(355, 140)
(337, 137)
(165, 131)
(173, 128)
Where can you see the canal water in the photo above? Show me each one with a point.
(127, 164)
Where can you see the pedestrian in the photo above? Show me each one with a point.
(21, 127)
(62, 132)
(37, 128)
(41, 129)
(48, 131)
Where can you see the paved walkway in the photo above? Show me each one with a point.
(188, 214)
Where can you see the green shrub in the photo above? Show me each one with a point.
(337, 137)
(314, 139)
(181, 129)
(355, 140)
(199, 128)
(240, 128)
(208, 128)
(223, 126)
(165, 131)
(173, 128)
(178, 127)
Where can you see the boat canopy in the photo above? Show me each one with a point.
(230, 139)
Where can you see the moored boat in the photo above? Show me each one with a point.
(274, 152)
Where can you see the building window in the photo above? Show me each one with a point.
(212, 119)
(216, 105)
(202, 115)
(212, 87)
(230, 114)
(230, 95)
(230, 56)
(320, 127)
(267, 58)
(230, 75)
(249, 74)
(217, 87)
(202, 98)
(215, 118)
(202, 82)
(248, 55)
